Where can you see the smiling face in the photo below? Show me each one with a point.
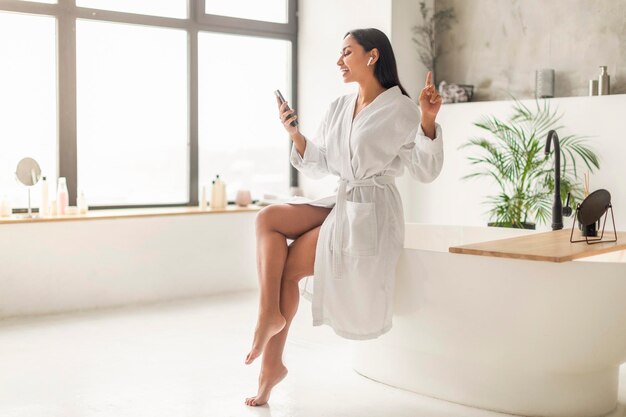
(353, 61)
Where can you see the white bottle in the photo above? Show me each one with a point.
(53, 208)
(203, 202)
(43, 207)
(5, 207)
(81, 203)
(219, 194)
(62, 196)
(222, 189)
(214, 203)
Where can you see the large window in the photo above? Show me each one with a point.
(142, 103)
(167, 8)
(268, 10)
(28, 106)
(132, 113)
(241, 137)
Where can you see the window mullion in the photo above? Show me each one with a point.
(66, 70)
(193, 103)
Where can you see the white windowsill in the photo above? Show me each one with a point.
(128, 213)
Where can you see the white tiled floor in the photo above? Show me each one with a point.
(185, 358)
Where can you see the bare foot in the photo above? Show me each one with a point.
(265, 329)
(267, 380)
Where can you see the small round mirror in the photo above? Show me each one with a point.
(593, 207)
(28, 172)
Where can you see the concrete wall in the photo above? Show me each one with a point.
(496, 45)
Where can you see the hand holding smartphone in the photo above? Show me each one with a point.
(282, 100)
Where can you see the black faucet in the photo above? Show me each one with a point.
(557, 208)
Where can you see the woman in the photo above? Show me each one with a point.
(366, 139)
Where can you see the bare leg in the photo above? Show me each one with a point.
(274, 224)
(299, 264)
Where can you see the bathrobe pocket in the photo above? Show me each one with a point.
(360, 232)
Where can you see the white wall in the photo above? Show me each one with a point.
(322, 26)
(412, 73)
(50, 267)
(448, 200)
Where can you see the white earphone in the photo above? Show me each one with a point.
(370, 61)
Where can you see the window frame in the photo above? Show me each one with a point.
(67, 13)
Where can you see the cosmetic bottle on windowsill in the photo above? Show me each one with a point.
(5, 207)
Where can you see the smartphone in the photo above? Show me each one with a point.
(282, 100)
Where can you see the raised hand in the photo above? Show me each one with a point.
(429, 100)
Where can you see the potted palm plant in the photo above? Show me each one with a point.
(514, 158)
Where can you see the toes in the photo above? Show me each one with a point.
(252, 401)
(252, 356)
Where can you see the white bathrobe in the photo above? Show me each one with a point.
(353, 288)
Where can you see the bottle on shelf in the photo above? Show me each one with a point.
(593, 87)
(218, 193)
(5, 207)
(213, 200)
(604, 88)
(62, 196)
(203, 199)
(222, 190)
(43, 206)
(81, 203)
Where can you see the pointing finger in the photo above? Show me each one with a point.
(429, 78)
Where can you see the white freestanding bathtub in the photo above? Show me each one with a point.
(523, 337)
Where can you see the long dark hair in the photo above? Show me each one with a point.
(386, 70)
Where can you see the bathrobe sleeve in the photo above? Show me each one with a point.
(422, 155)
(313, 164)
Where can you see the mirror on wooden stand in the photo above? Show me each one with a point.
(28, 173)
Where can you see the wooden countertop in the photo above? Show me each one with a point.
(127, 213)
(551, 246)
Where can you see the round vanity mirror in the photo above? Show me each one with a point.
(28, 173)
(593, 207)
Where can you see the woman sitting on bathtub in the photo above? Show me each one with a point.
(349, 241)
